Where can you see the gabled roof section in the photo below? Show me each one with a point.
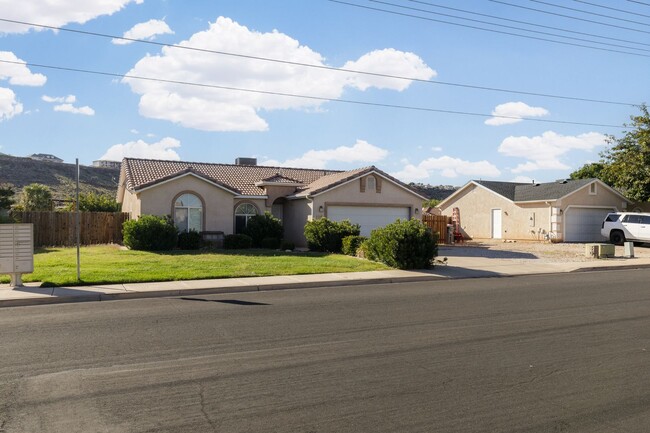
(141, 173)
(334, 180)
(533, 192)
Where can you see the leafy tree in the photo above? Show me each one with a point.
(92, 202)
(36, 197)
(626, 164)
(6, 196)
(432, 202)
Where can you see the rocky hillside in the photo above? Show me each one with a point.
(439, 192)
(60, 177)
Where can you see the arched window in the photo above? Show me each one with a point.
(243, 213)
(371, 184)
(188, 213)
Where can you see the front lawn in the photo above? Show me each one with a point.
(106, 264)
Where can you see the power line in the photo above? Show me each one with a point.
(508, 27)
(529, 23)
(638, 2)
(323, 67)
(611, 9)
(293, 95)
(589, 12)
(569, 17)
(490, 30)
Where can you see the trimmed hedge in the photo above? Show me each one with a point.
(260, 227)
(351, 244)
(323, 234)
(150, 233)
(237, 242)
(403, 244)
(270, 243)
(189, 240)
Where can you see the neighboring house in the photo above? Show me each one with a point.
(565, 210)
(45, 157)
(223, 197)
(102, 163)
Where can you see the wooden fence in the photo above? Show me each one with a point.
(437, 224)
(58, 228)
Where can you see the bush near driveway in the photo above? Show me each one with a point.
(351, 244)
(402, 244)
(327, 235)
(261, 227)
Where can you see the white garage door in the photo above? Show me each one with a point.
(583, 224)
(368, 217)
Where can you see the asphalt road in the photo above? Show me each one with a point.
(554, 353)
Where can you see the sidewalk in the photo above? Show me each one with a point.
(458, 267)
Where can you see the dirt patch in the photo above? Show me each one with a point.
(546, 251)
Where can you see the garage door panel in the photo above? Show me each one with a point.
(583, 224)
(368, 217)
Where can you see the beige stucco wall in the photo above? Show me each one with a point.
(131, 204)
(603, 197)
(523, 222)
(218, 204)
(350, 194)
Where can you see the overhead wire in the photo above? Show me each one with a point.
(322, 67)
(507, 26)
(528, 23)
(570, 17)
(639, 2)
(611, 8)
(310, 97)
(583, 11)
(489, 30)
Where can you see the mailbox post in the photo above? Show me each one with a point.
(16, 251)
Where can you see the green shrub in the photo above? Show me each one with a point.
(270, 243)
(286, 245)
(189, 240)
(403, 244)
(323, 234)
(237, 242)
(264, 226)
(150, 233)
(351, 244)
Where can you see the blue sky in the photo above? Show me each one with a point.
(405, 125)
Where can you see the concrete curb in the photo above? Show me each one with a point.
(53, 299)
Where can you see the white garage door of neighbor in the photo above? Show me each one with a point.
(368, 217)
(583, 224)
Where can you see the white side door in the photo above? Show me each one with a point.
(496, 223)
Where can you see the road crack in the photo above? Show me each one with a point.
(202, 407)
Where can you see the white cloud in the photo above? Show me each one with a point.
(9, 106)
(447, 166)
(55, 13)
(522, 179)
(163, 149)
(18, 73)
(389, 62)
(70, 99)
(513, 112)
(212, 109)
(361, 152)
(69, 108)
(65, 105)
(543, 152)
(437, 149)
(147, 30)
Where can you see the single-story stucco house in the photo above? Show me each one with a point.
(564, 210)
(222, 197)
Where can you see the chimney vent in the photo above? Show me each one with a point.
(246, 161)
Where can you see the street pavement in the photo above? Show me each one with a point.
(458, 265)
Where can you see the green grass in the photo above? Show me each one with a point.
(105, 264)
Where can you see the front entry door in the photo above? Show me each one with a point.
(496, 223)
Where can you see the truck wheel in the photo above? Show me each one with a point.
(617, 237)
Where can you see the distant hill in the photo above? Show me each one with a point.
(439, 192)
(60, 177)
